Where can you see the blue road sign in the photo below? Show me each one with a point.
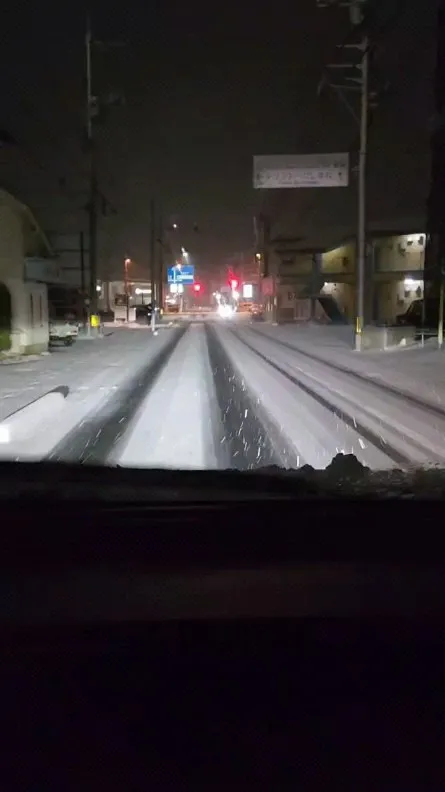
(181, 273)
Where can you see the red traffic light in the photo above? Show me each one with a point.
(234, 284)
(197, 287)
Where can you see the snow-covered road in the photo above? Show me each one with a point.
(208, 395)
(323, 411)
(173, 427)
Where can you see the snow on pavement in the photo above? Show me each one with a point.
(415, 432)
(315, 435)
(92, 371)
(416, 370)
(72, 366)
(173, 427)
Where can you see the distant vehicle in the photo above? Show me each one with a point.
(172, 307)
(257, 313)
(225, 310)
(64, 331)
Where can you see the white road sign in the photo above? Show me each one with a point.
(306, 170)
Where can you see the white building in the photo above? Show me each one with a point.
(23, 301)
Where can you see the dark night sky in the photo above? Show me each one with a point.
(205, 90)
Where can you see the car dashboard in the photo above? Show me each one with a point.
(225, 639)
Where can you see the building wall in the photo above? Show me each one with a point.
(29, 322)
(394, 276)
(20, 237)
(339, 260)
(294, 264)
(12, 261)
(393, 254)
(399, 253)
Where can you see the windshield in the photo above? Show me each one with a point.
(189, 277)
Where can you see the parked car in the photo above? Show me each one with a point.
(64, 331)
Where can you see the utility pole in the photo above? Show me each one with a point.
(82, 262)
(160, 272)
(153, 262)
(361, 229)
(92, 111)
(92, 204)
(434, 266)
(82, 273)
(357, 83)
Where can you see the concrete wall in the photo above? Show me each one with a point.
(381, 338)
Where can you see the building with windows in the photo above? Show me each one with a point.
(394, 277)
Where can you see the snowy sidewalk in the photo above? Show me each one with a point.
(415, 370)
(84, 368)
